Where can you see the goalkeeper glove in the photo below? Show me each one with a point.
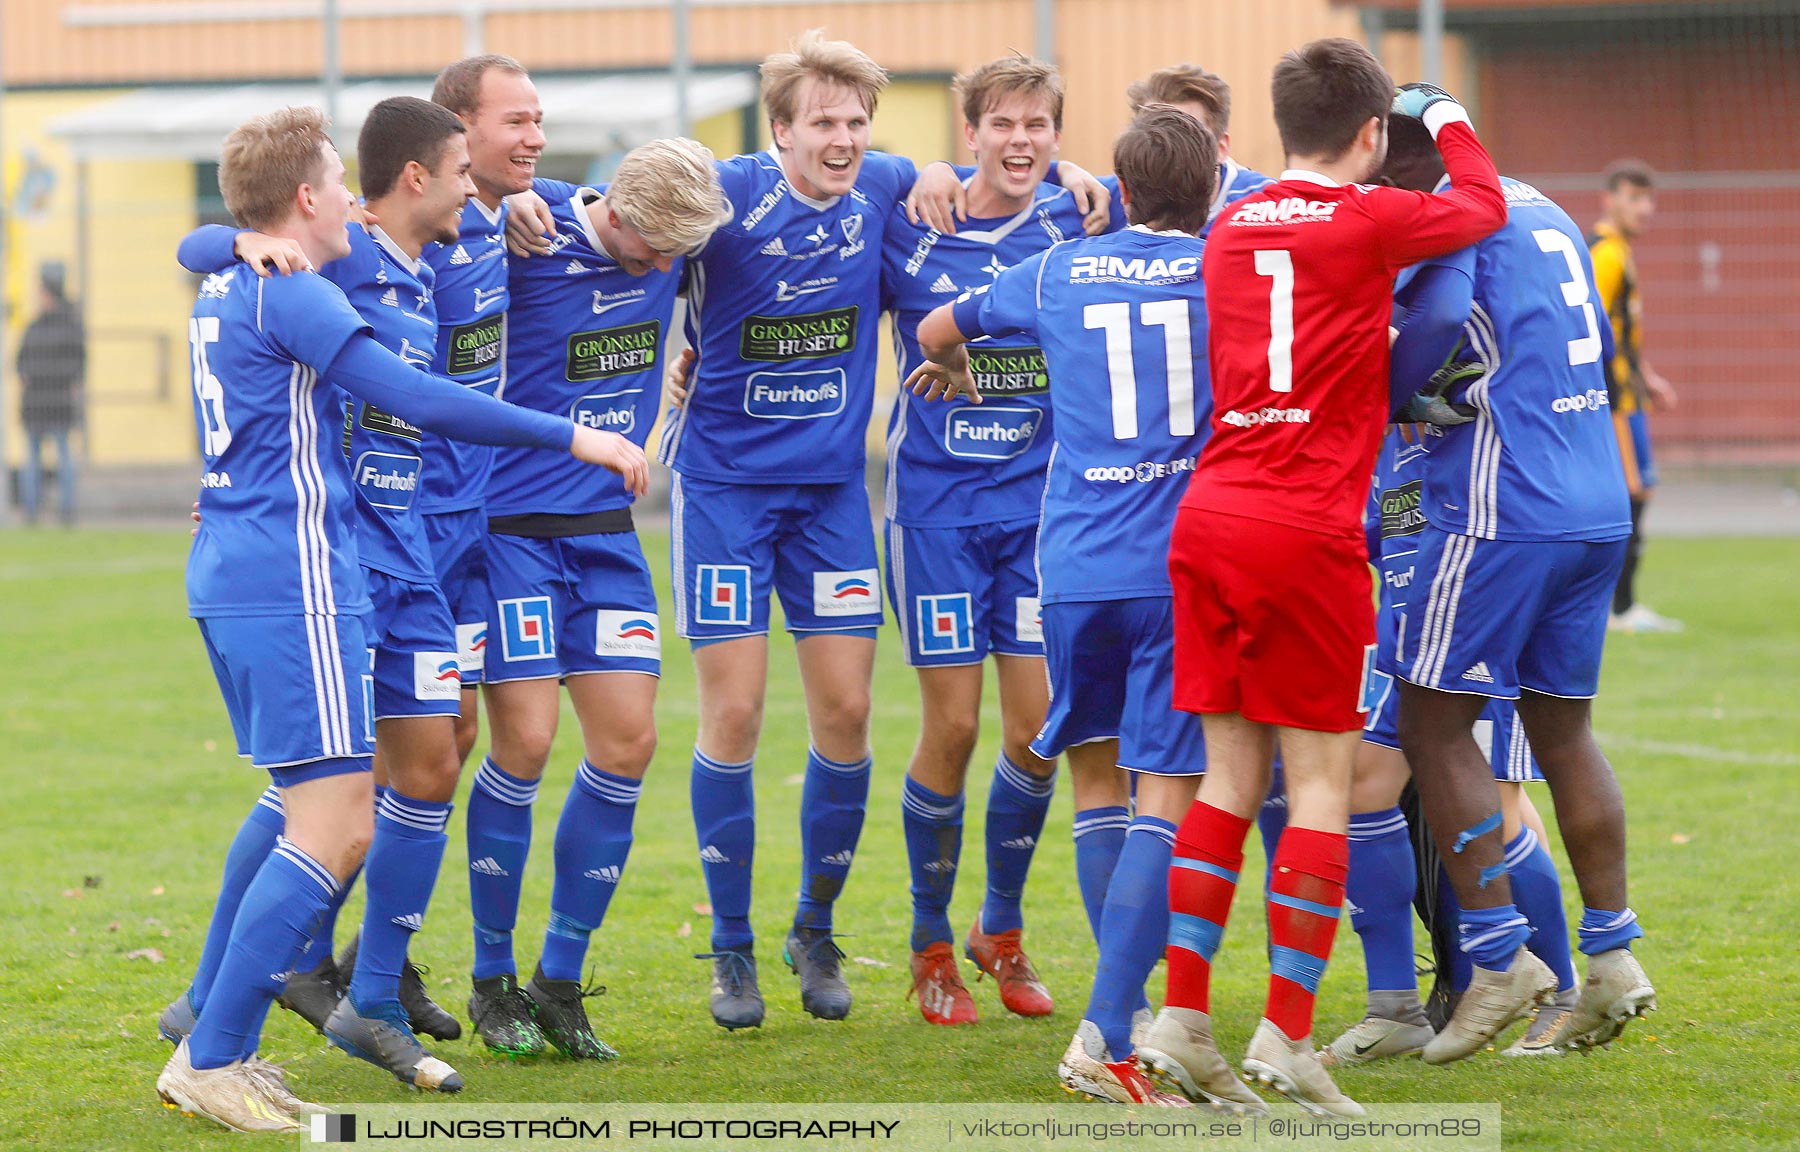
(1432, 403)
(1413, 99)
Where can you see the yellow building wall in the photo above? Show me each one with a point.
(137, 299)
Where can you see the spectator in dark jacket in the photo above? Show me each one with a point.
(52, 360)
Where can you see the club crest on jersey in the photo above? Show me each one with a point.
(945, 624)
(525, 629)
(436, 676)
(722, 594)
(846, 593)
(627, 634)
(990, 433)
(1028, 619)
(852, 227)
(471, 647)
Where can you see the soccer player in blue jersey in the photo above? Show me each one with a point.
(1527, 517)
(572, 596)
(964, 486)
(1207, 98)
(1118, 318)
(274, 584)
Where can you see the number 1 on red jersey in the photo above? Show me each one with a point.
(1278, 265)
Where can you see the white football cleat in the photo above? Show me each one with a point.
(1493, 1001)
(1375, 1038)
(1292, 1068)
(1616, 992)
(1179, 1053)
(233, 1095)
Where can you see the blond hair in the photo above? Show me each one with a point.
(266, 159)
(1016, 75)
(667, 191)
(833, 61)
(1185, 84)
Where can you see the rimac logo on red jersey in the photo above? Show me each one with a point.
(1287, 210)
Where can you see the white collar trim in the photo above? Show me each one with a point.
(1306, 176)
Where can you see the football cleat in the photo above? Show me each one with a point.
(1540, 1038)
(1088, 1069)
(1291, 1068)
(386, 1042)
(1000, 956)
(426, 1016)
(232, 1096)
(1491, 1003)
(736, 1000)
(313, 996)
(502, 1015)
(177, 1020)
(1375, 1038)
(275, 1087)
(1141, 1020)
(814, 956)
(562, 1017)
(1179, 1053)
(1616, 992)
(943, 998)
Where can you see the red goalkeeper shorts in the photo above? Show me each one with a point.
(1271, 621)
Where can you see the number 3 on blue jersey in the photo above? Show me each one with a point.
(204, 330)
(1121, 368)
(1575, 293)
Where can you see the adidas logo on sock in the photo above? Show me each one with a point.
(1021, 842)
(775, 248)
(460, 255)
(412, 921)
(943, 283)
(573, 268)
(1479, 673)
(711, 855)
(607, 875)
(940, 866)
(842, 859)
(488, 866)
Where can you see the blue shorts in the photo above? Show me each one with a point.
(570, 605)
(412, 648)
(1492, 617)
(1498, 733)
(1112, 674)
(811, 544)
(458, 542)
(1639, 423)
(296, 687)
(960, 593)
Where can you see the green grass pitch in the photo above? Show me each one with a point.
(121, 793)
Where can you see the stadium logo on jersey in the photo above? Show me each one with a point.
(722, 594)
(486, 296)
(604, 303)
(785, 291)
(627, 634)
(795, 395)
(774, 248)
(923, 249)
(381, 276)
(1028, 619)
(573, 268)
(1401, 510)
(436, 676)
(1008, 371)
(944, 284)
(391, 298)
(607, 352)
(764, 206)
(608, 411)
(945, 624)
(809, 336)
(471, 648)
(474, 348)
(525, 629)
(989, 433)
(1287, 210)
(460, 255)
(387, 479)
(1137, 270)
(374, 419)
(1592, 400)
(1050, 226)
(846, 593)
(562, 240)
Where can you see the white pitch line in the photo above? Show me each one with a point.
(1698, 751)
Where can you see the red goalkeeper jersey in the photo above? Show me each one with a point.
(1299, 286)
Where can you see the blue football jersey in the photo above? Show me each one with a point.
(1394, 520)
(782, 310)
(1540, 461)
(276, 531)
(471, 349)
(1235, 183)
(392, 292)
(585, 340)
(1122, 322)
(957, 464)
